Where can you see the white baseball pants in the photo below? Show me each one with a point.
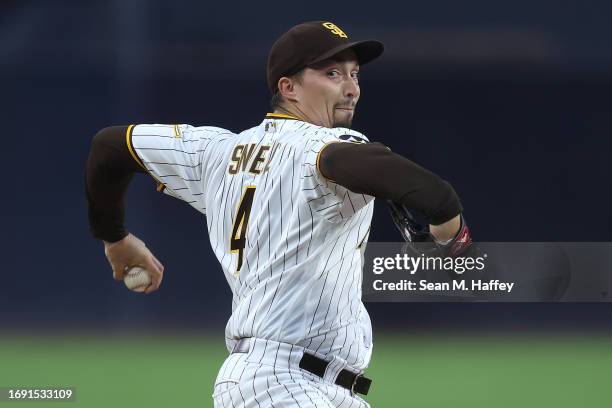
(268, 375)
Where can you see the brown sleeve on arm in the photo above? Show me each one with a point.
(373, 169)
(110, 167)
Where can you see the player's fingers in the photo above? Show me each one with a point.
(160, 267)
(118, 271)
(156, 274)
(159, 264)
(152, 287)
(117, 264)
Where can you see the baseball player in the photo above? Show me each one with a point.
(288, 205)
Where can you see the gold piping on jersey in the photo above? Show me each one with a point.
(280, 116)
(177, 132)
(319, 156)
(128, 141)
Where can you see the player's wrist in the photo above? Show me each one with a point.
(460, 243)
(446, 232)
(115, 239)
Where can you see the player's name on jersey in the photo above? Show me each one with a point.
(252, 157)
(493, 285)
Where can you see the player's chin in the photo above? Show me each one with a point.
(343, 117)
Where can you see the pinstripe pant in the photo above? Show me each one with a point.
(268, 375)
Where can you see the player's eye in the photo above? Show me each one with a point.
(333, 74)
(355, 75)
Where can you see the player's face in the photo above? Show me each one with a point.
(329, 91)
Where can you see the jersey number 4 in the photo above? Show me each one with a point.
(241, 223)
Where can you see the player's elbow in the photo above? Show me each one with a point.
(444, 202)
(108, 136)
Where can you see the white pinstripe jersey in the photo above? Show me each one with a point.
(289, 241)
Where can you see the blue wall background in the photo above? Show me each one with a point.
(509, 101)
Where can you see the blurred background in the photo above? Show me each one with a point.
(509, 101)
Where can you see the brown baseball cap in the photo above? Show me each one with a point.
(312, 42)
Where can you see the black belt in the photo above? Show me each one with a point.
(357, 383)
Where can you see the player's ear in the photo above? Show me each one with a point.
(286, 87)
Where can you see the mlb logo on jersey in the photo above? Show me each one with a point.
(270, 127)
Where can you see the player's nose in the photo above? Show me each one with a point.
(351, 88)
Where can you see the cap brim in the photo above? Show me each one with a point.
(366, 51)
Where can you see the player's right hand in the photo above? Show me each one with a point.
(129, 252)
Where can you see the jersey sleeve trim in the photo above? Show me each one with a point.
(128, 141)
(319, 157)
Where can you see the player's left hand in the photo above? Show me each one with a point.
(417, 235)
(130, 252)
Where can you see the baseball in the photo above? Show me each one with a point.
(137, 279)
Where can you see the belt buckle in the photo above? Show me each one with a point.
(354, 383)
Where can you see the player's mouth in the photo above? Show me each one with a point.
(346, 109)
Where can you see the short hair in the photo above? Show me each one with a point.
(277, 98)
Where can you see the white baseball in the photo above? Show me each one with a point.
(137, 279)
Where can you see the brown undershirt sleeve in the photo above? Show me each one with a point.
(373, 169)
(109, 170)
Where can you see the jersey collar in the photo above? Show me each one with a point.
(280, 116)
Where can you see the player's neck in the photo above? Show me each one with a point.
(296, 113)
(288, 112)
